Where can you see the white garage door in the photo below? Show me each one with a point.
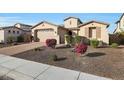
(47, 34)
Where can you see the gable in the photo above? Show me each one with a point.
(94, 24)
(44, 25)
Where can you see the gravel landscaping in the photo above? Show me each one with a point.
(2, 45)
(106, 62)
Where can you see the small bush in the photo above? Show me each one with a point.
(20, 38)
(94, 43)
(37, 49)
(54, 57)
(51, 43)
(69, 39)
(81, 39)
(78, 39)
(81, 48)
(114, 45)
(11, 39)
(14, 43)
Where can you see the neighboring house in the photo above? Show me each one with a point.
(25, 27)
(120, 25)
(15, 31)
(5, 32)
(45, 30)
(91, 30)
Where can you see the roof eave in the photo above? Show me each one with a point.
(44, 22)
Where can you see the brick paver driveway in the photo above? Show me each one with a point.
(20, 48)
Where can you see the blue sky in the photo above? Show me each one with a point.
(7, 19)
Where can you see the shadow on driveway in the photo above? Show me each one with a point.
(95, 54)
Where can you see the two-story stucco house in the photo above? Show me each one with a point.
(120, 25)
(14, 31)
(25, 27)
(90, 30)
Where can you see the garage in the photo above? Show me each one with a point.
(45, 30)
(47, 33)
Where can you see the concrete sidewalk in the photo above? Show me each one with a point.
(20, 69)
(20, 48)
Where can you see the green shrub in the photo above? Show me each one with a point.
(37, 49)
(94, 43)
(11, 39)
(81, 39)
(20, 38)
(114, 45)
(69, 39)
(54, 57)
(78, 39)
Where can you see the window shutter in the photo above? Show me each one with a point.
(86, 32)
(98, 32)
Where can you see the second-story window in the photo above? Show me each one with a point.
(17, 32)
(9, 31)
(13, 32)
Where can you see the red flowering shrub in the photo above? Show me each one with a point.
(51, 42)
(81, 48)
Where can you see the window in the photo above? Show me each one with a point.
(13, 32)
(70, 22)
(90, 32)
(17, 32)
(9, 31)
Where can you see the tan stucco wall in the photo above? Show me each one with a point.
(74, 23)
(118, 28)
(104, 32)
(1, 36)
(42, 35)
(122, 23)
(75, 32)
(62, 32)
